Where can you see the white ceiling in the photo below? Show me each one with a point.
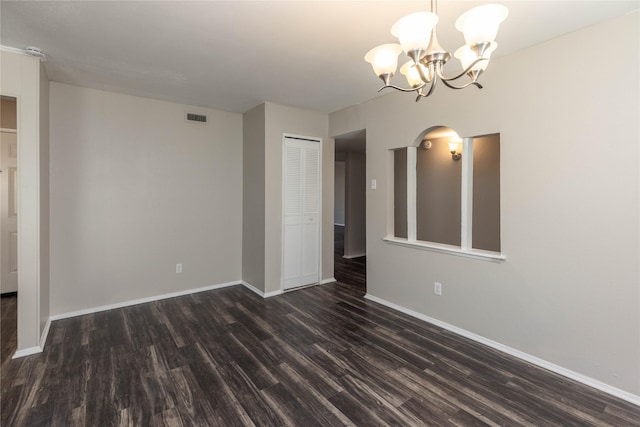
(234, 55)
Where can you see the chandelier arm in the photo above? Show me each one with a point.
(448, 79)
(423, 76)
(449, 85)
(402, 89)
(433, 86)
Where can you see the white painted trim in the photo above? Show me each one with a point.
(272, 293)
(305, 137)
(320, 205)
(259, 292)
(391, 185)
(311, 285)
(252, 288)
(447, 249)
(297, 288)
(45, 333)
(624, 395)
(354, 256)
(283, 178)
(466, 195)
(320, 142)
(27, 352)
(412, 194)
(36, 349)
(141, 301)
(19, 52)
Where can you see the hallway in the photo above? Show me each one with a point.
(349, 271)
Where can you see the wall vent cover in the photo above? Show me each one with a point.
(198, 118)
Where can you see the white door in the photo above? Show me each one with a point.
(9, 212)
(301, 211)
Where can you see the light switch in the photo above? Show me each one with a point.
(374, 184)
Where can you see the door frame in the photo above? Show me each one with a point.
(320, 219)
(24, 78)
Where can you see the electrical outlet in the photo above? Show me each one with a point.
(178, 268)
(437, 288)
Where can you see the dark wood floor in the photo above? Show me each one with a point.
(349, 271)
(8, 329)
(319, 356)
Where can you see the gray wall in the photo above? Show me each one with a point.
(355, 238)
(264, 127)
(135, 189)
(568, 292)
(279, 120)
(253, 201)
(486, 193)
(400, 226)
(438, 180)
(8, 113)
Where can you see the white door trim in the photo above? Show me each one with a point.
(282, 207)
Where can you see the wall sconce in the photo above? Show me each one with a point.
(453, 147)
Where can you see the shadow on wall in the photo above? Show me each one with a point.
(351, 191)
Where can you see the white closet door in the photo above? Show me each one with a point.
(301, 212)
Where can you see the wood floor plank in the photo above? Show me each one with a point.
(428, 413)
(316, 404)
(357, 413)
(288, 407)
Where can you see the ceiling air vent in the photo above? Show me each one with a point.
(197, 118)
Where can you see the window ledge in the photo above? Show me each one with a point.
(447, 249)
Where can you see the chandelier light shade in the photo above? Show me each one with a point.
(414, 31)
(410, 71)
(467, 57)
(384, 59)
(417, 36)
(481, 23)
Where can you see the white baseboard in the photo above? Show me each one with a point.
(272, 294)
(141, 301)
(36, 349)
(45, 333)
(252, 288)
(624, 395)
(259, 292)
(354, 256)
(43, 338)
(27, 352)
(310, 285)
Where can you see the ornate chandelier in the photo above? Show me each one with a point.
(417, 36)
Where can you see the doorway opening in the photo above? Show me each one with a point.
(350, 219)
(8, 226)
